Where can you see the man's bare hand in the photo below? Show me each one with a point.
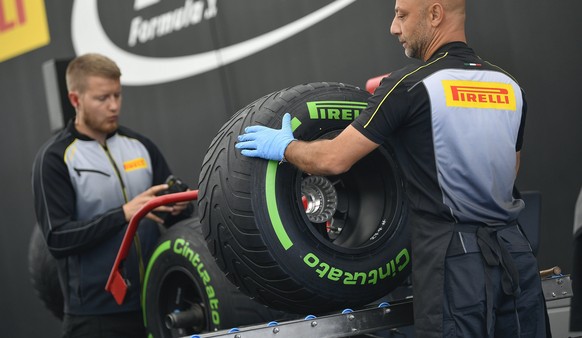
(131, 207)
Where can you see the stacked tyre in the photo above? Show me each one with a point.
(184, 292)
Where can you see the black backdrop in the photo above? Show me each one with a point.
(536, 40)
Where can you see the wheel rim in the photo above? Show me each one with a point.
(355, 211)
(180, 294)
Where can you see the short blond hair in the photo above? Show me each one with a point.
(86, 65)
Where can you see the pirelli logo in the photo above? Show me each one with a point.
(476, 94)
(138, 163)
(335, 110)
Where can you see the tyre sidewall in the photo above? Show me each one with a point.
(182, 248)
(334, 273)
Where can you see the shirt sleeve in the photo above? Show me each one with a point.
(387, 110)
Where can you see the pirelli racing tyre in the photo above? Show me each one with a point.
(185, 292)
(44, 277)
(297, 242)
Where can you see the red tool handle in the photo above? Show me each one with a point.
(374, 83)
(116, 283)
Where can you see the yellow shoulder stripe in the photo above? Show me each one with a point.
(397, 83)
(70, 151)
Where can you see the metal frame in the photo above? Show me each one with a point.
(346, 324)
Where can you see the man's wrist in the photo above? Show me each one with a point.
(125, 212)
(283, 157)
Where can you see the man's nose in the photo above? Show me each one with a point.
(395, 27)
(114, 103)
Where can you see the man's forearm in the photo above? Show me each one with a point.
(316, 158)
(73, 237)
(330, 157)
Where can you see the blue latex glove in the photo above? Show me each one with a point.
(264, 142)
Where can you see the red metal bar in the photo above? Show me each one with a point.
(116, 283)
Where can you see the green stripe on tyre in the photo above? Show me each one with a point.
(271, 195)
(159, 250)
(272, 208)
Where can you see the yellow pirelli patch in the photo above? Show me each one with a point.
(476, 94)
(138, 163)
(23, 27)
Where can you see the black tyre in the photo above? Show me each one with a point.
(44, 277)
(186, 293)
(302, 243)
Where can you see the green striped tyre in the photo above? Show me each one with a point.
(299, 242)
(186, 293)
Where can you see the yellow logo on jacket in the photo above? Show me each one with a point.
(23, 27)
(476, 94)
(138, 163)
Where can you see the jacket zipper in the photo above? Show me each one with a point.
(136, 240)
(123, 190)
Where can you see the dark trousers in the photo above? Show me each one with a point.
(465, 305)
(121, 325)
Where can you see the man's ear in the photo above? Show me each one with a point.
(74, 99)
(437, 14)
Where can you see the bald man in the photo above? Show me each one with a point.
(456, 123)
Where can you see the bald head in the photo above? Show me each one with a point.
(448, 5)
(422, 26)
(453, 6)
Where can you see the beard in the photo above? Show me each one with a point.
(418, 42)
(416, 49)
(102, 126)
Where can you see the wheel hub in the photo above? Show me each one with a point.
(319, 198)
